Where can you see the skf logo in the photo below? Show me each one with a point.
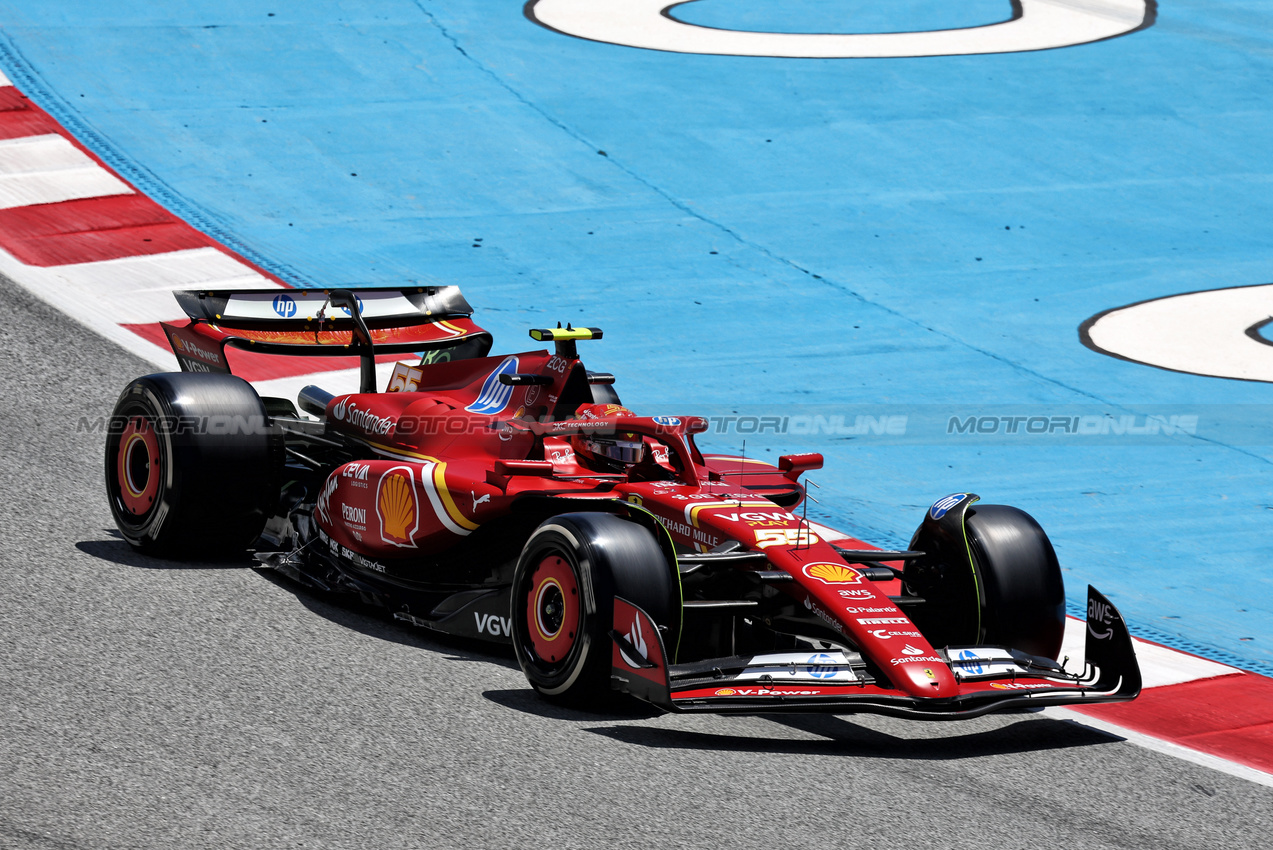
(397, 508)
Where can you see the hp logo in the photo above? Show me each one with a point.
(285, 306)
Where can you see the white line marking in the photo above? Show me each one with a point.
(39, 154)
(1149, 742)
(1199, 332)
(51, 187)
(47, 169)
(1043, 24)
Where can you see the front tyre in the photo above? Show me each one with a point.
(1021, 584)
(191, 466)
(564, 586)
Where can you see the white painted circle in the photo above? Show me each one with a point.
(1041, 25)
(1209, 333)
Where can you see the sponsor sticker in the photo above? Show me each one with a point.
(928, 659)
(323, 504)
(882, 621)
(284, 306)
(636, 637)
(1099, 614)
(397, 507)
(797, 666)
(494, 396)
(885, 634)
(348, 412)
(831, 573)
(944, 504)
(1018, 686)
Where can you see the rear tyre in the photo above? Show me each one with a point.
(1023, 594)
(564, 586)
(191, 468)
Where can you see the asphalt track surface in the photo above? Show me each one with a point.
(157, 704)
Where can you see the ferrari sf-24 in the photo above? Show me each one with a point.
(513, 499)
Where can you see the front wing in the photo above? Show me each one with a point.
(834, 681)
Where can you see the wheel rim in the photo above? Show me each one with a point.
(552, 609)
(137, 467)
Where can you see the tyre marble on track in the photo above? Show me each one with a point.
(154, 704)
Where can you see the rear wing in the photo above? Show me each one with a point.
(323, 322)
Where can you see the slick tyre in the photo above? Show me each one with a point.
(564, 586)
(191, 466)
(1023, 595)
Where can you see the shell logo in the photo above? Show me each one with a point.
(397, 508)
(726, 692)
(832, 573)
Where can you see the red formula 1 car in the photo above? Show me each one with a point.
(512, 499)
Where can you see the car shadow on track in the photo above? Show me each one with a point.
(375, 622)
(118, 552)
(842, 737)
(527, 701)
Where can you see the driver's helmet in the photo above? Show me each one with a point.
(613, 452)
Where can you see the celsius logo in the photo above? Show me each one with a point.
(941, 506)
(285, 306)
(494, 396)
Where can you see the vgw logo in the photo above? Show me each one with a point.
(493, 624)
(284, 306)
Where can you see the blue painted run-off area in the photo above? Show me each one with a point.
(778, 237)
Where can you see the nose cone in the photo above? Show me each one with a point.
(924, 676)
